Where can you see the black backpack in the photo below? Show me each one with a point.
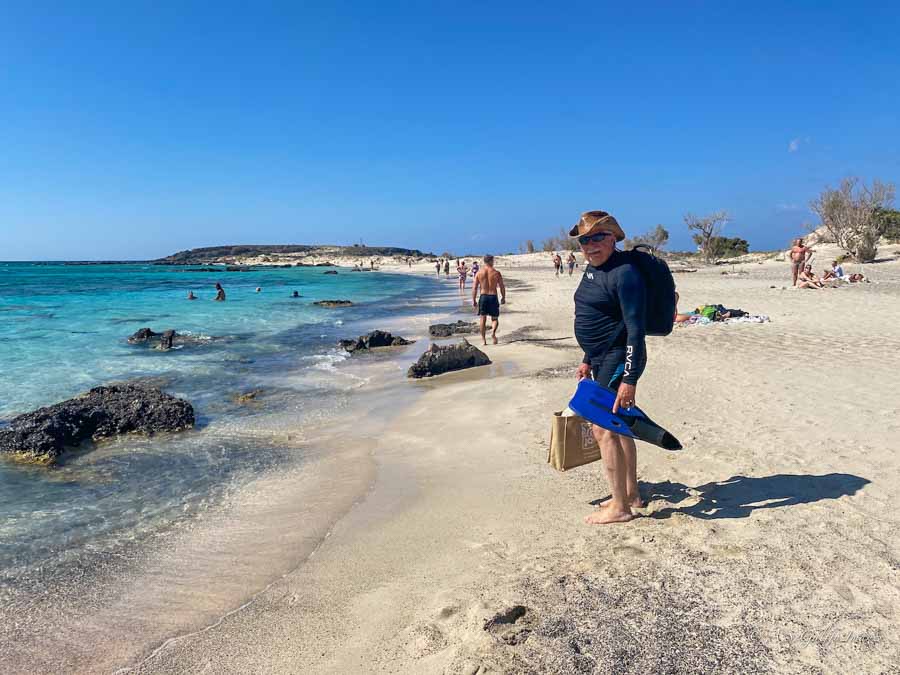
(660, 289)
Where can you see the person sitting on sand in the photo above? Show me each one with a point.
(220, 293)
(191, 295)
(806, 279)
(836, 271)
(488, 280)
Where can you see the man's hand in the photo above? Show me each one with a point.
(502, 301)
(624, 397)
(584, 370)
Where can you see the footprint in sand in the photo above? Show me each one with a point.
(629, 550)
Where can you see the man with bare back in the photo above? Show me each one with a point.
(799, 255)
(488, 280)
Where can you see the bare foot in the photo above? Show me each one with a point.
(484, 342)
(606, 516)
(636, 502)
(494, 337)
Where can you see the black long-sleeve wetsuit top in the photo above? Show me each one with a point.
(609, 312)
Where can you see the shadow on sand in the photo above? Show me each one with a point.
(739, 496)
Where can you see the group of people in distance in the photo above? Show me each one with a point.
(802, 271)
(220, 293)
(558, 263)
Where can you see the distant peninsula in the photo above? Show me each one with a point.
(294, 255)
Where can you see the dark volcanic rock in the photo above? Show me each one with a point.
(142, 336)
(442, 359)
(43, 435)
(164, 341)
(333, 303)
(330, 272)
(377, 338)
(448, 329)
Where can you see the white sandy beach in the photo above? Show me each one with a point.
(769, 544)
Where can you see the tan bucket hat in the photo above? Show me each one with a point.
(597, 221)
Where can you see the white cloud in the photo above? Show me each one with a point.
(797, 143)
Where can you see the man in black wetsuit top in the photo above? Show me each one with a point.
(610, 329)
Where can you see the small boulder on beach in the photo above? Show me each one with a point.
(376, 338)
(103, 412)
(440, 330)
(445, 358)
(333, 303)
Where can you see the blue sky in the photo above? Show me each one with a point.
(132, 130)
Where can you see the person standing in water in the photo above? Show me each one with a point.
(220, 293)
(488, 280)
(610, 325)
(462, 271)
(447, 267)
(191, 295)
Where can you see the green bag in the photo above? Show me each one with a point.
(709, 311)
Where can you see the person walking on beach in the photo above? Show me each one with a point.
(462, 271)
(437, 267)
(570, 261)
(799, 255)
(488, 280)
(220, 293)
(557, 263)
(447, 267)
(474, 269)
(610, 329)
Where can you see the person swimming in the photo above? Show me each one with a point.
(191, 295)
(220, 293)
(258, 289)
(295, 294)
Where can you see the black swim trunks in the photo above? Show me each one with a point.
(611, 368)
(488, 305)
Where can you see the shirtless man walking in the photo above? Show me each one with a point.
(799, 255)
(488, 280)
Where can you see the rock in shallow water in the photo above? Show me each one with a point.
(333, 303)
(377, 338)
(43, 435)
(442, 359)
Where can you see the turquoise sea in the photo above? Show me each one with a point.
(63, 329)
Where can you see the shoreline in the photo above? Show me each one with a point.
(129, 588)
(465, 518)
(756, 545)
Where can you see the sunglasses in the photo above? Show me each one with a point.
(588, 238)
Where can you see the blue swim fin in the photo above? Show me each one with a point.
(594, 402)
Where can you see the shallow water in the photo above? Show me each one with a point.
(63, 329)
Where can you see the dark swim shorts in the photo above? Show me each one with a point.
(609, 369)
(488, 305)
